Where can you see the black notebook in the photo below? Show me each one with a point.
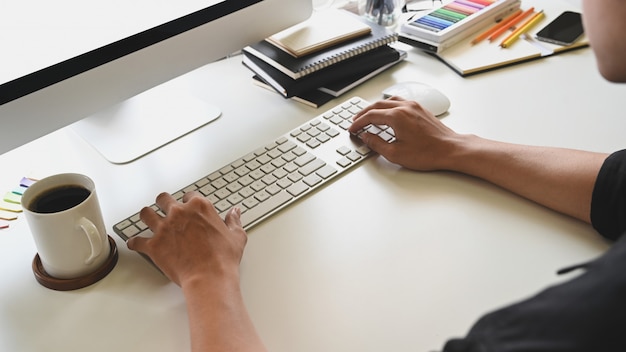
(314, 98)
(342, 85)
(289, 87)
(297, 68)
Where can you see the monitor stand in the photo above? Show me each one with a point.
(145, 122)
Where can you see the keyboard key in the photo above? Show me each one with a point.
(265, 208)
(311, 167)
(344, 150)
(344, 162)
(312, 180)
(304, 159)
(326, 171)
(123, 224)
(297, 188)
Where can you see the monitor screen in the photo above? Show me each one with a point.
(64, 60)
(53, 40)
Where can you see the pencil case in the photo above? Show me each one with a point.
(453, 22)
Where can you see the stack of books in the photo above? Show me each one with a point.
(323, 57)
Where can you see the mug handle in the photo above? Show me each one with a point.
(93, 235)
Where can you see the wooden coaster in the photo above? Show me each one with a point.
(73, 284)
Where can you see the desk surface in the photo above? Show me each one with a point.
(383, 259)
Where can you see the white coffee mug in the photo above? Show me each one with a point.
(66, 223)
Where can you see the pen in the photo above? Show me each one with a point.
(511, 23)
(495, 27)
(522, 29)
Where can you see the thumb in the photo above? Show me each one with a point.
(233, 219)
(374, 142)
(136, 243)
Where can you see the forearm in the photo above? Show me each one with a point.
(558, 178)
(218, 317)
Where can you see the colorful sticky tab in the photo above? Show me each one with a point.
(12, 207)
(10, 204)
(12, 198)
(20, 190)
(27, 182)
(8, 216)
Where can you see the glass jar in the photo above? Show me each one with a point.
(383, 12)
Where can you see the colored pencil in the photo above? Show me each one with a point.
(522, 29)
(511, 23)
(495, 27)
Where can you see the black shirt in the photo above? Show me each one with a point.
(608, 203)
(585, 314)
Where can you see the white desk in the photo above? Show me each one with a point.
(384, 259)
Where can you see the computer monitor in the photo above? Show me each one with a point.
(103, 63)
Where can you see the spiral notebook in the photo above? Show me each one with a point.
(357, 65)
(302, 66)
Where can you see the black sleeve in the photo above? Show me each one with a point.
(608, 202)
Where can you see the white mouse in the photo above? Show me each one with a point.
(430, 98)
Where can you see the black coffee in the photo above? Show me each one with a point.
(59, 199)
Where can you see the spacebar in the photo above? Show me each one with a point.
(252, 215)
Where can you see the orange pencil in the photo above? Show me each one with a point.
(511, 23)
(496, 26)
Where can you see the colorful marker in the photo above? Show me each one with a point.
(450, 14)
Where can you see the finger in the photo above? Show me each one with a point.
(376, 143)
(149, 216)
(360, 121)
(200, 202)
(165, 201)
(137, 244)
(396, 98)
(233, 219)
(363, 112)
(187, 196)
(381, 104)
(377, 116)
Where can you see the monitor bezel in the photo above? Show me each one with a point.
(58, 72)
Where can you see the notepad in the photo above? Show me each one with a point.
(322, 30)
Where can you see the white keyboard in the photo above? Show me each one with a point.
(280, 172)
